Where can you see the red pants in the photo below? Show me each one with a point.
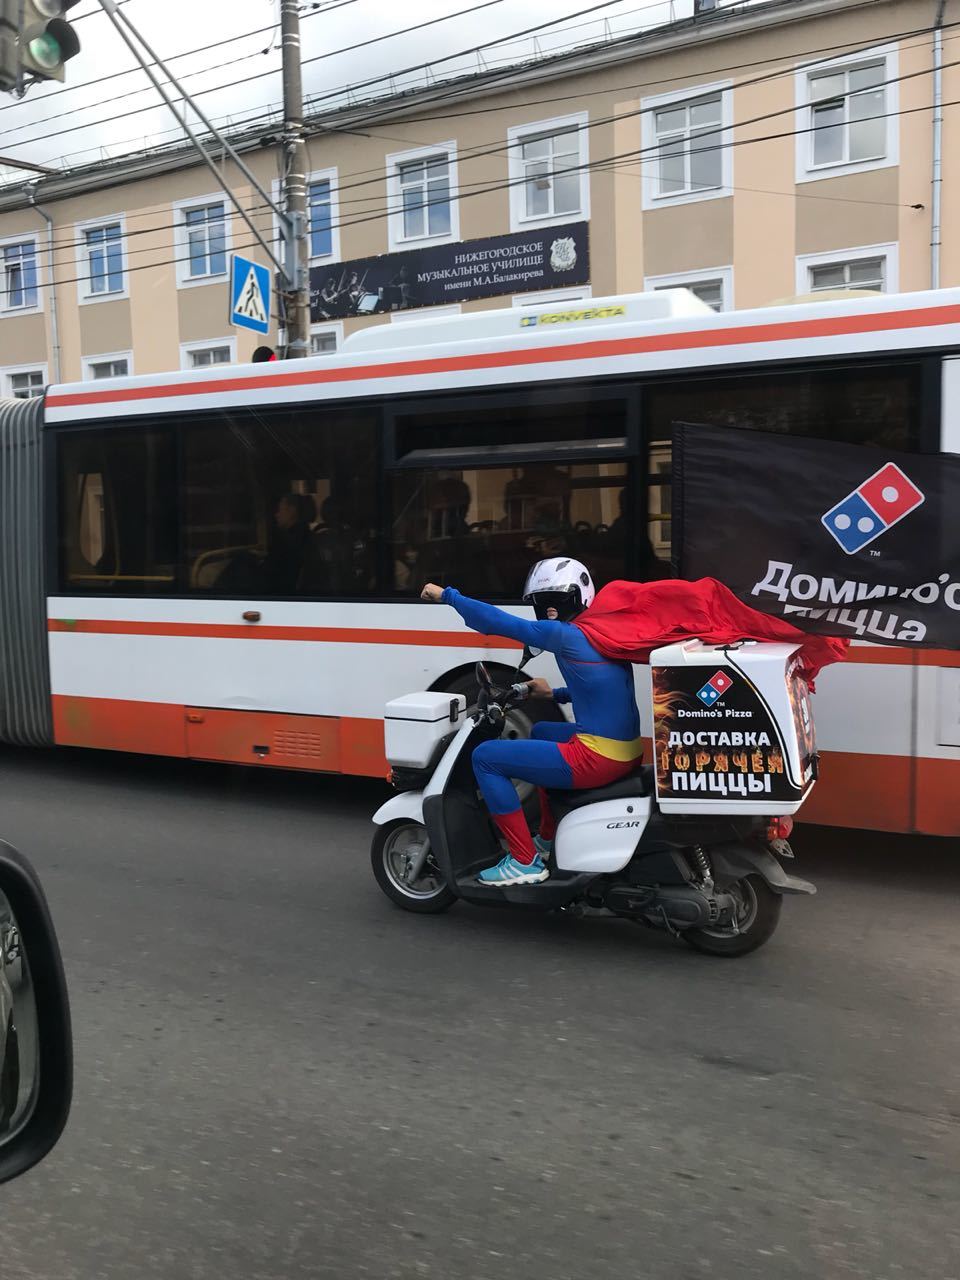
(587, 768)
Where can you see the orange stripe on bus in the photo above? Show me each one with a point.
(890, 656)
(597, 349)
(260, 631)
(872, 792)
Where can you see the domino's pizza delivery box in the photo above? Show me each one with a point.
(415, 724)
(733, 729)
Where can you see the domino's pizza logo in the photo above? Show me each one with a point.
(880, 502)
(714, 689)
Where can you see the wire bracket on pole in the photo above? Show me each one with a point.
(128, 33)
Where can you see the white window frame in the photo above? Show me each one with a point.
(187, 347)
(395, 237)
(890, 252)
(87, 363)
(684, 279)
(806, 171)
(8, 371)
(537, 128)
(23, 238)
(328, 326)
(426, 313)
(182, 244)
(84, 295)
(650, 197)
(547, 297)
(317, 175)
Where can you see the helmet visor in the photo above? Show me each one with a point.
(565, 602)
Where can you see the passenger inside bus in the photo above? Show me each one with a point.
(293, 522)
(338, 558)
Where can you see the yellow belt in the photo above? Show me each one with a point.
(612, 748)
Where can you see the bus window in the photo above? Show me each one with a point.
(874, 405)
(281, 502)
(480, 529)
(539, 422)
(484, 485)
(117, 511)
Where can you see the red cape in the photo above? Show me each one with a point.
(628, 619)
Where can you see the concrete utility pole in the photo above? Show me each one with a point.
(295, 185)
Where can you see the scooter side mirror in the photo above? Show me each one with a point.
(528, 655)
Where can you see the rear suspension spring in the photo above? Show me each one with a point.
(702, 864)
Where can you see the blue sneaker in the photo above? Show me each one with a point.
(543, 847)
(509, 871)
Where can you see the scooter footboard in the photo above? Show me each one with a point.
(734, 861)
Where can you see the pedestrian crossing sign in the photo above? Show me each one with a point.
(249, 295)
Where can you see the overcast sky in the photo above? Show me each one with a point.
(174, 27)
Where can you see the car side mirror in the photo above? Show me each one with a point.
(36, 1043)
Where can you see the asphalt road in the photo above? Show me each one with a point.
(280, 1075)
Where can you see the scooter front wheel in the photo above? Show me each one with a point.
(406, 870)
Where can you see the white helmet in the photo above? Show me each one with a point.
(559, 583)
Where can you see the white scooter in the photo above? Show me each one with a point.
(688, 846)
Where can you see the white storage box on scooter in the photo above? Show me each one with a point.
(416, 723)
(733, 729)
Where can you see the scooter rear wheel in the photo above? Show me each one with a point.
(757, 919)
(393, 854)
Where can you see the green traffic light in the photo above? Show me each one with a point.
(46, 52)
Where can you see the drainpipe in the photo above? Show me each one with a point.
(54, 323)
(937, 179)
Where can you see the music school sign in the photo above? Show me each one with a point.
(549, 258)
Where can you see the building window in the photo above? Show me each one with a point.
(21, 282)
(322, 215)
(425, 197)
(25, 384)
(847, 116)
(96, 368)
(325, 339)
(101, 264)
(872, 267)
(714, 287)
(204, 355)
(688, 146)
(320, 205)
(684, 151)
(421, 186)
(202, 239)
(548, 175)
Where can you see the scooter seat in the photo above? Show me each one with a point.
(639, 783)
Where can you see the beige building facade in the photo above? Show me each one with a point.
(751, 155)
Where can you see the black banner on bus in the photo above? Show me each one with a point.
(839, 539)
(550, 258)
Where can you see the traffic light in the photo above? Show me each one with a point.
(9, 10)
(47, 40)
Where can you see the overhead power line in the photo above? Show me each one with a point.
(174, 57)
(464, 156)
(499, 148)
(92, 124)
(454, 93)
(617, 162)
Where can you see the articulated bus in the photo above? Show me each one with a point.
(225, 564)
